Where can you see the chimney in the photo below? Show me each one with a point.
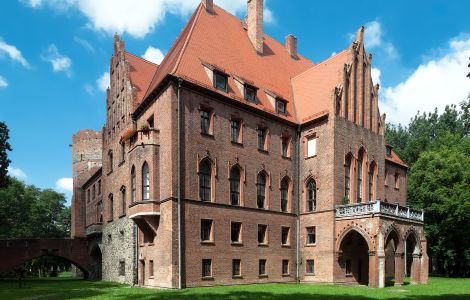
(254, 23)
(291, 45)
(209, 5)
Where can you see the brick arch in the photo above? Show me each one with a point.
(412, 231)
(359, 229)
(394, 228)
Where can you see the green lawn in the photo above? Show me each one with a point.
(66, 288)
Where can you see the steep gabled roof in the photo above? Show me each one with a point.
(141, 72)
(396, 159)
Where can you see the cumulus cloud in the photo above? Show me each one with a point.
(84, 43)
(154, 55)
(374, 39)
(3, 82)
(103, 81)
(136, 19)
(375, 74)
(58, 61)
(13, 53)
(435, 83)
(64, 184)
(16, 172)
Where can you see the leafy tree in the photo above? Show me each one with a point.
(4, 161)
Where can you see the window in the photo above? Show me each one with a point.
(397, 180)
(347, 177)
(145, 182)
(151, 268)
(285, 236)
(110, 161)
(206, 268)
(206, 230)
(93, 193)
(371, 181)
(262, 267)
(123, 200)
(359, 177)
(285, 147)
(261, 190)
(281, 107)
(284, 194)
(151, 122)
(311, 147)
(99, 187)
(235, 186)
(262, 138)
(220, 81)
(235, 131)
(311, 236)
(262, 238)
(236, 230)
(123, 151)
(311, 195)
(205, 181)
(348, 267)
(133, 187)
(386, 178)
(236, 270)
(88, 195)
(122, 268)
(285, 267)
(205, 122)
(310, 266)
(111, 207)
(250, 93)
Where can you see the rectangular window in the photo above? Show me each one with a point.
(262, 267)
(311, 147)
(348, 267)
(250, 93)
(281, 107)
(285, 147)
(123, 201)
(310, 266)
(220, 81)
(311, 235)
(235, 131)
(206, 268)
(236, 267)
(123, 151)
(122, 268)
(236, 230)
(262, 238)
(206, 230)
(151, 268)
(262, 138)
(285, 267)
(285, 236)
(99, 187)
(205, 121)
(94, 192)
(88, 195)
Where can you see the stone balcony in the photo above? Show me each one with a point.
(379, 207)
(94, 229)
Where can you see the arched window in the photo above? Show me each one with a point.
(347, 177)
(235, 186)
(359, 177)
(261, 190)
(311, 195)
(284, 194)
(145, 182)
(372, 181)
(133, 187)
(205, 181)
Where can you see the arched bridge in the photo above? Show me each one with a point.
(80, 252)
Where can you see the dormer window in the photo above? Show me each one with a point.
(220, 81)
(250, 93)
(281, 106)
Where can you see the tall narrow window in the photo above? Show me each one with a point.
(262, 138)
(262, 267)
(111, 207)
(236, 232)
(397, 180)
(261, 190)
(133, 187)
(110, 161)
(285, 147)
(205, 121)
(359, 177)
(236, 270)
(311, 235)
(371, 180)
(123, 151)
(285, 267)
(347, 177)
(235, 131)
(310, 266)
(99, 187)
(123, 200)
(284, 194)
(262, 239)
(311, 147)
(145, 182)
(311, 195)
(206, 268)
(205, 181)
(94, 192)
(235, 186)
(151, 268)
(285, 236)
(206, 230)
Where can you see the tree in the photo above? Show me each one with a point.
(4, 161)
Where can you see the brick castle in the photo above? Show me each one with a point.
(237, 160)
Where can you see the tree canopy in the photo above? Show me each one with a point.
(4, 161)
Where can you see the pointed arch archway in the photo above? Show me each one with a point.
(354, 246)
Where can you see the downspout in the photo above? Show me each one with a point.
(180, 81)
(297, 235)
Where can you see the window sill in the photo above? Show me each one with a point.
(263, 151)
(150, 244)
(348, 275)
(209, 243)
(207, 278)
(121, 163)
(285, 246)
(286, 157)
(310, 245)
(310, 157)
(285, 275)
(237, 277)
(151, 277)
(110, 172)
(122, 216)
(237, 144)
(109, 221)
(309, 274)
(237, 244)
(397, 188)
(263, 276)
(208, 135)
(263, 245)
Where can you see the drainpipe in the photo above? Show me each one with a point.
(297, 248)
(180, 81)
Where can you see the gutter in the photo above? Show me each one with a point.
(180, 81)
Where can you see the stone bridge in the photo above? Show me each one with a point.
(83, 253)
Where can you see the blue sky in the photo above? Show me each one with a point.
(54, 55)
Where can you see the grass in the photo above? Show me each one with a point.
(67, 288)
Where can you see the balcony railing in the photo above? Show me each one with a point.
(379, 207)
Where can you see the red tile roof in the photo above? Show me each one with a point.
(397, 160)
(141, 72)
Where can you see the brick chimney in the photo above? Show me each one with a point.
(291, 45)
(209, 5)
(254, 22)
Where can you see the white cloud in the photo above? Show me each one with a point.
(84, 43)
(103, 81)
(3, 82)
(154, 55)
(58, 61)
(13, 53)
(375, 74)
(89, 89)
(17, 172)
(64, 184)
(435, 83)
(373, 34)
(136, 19)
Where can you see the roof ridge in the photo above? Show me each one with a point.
(141, 58)
(322, 63)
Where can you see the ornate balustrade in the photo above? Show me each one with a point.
(378, 207)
